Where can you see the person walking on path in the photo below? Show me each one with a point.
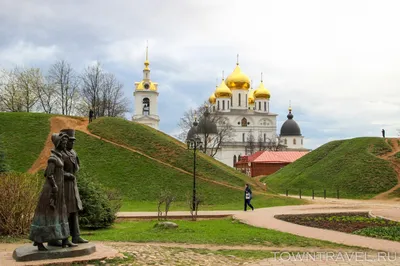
(91, 113)
(383, 133)
(247, 197)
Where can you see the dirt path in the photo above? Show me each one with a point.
(395, 164)
(59, 122)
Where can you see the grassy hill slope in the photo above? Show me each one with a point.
(140, 180)
(348, 165)
(23, 136)
(165, 148)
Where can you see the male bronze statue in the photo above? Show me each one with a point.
(72, 198)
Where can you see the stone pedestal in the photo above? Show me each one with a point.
(29, 252)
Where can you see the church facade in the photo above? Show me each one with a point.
(254, 126)
(146, 98)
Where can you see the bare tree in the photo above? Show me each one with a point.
(261, 144)
(29, 82)
(275, 144)
(212, 142)
(47, 97)
(113, 103)
(10, 94)
(102, 93)
(250, 143)
(92, 84)
(65, 82)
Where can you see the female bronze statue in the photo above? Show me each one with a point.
(50, 221)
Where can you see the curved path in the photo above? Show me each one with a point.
(395, 164)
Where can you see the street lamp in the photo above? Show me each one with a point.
(194, 144)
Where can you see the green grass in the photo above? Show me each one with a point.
(23, 136)
(140, 180)
(395, 194)
(390, 232)
(165, 148)
(348, 165)
(219, 232)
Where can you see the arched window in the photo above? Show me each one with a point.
(285, 141)
(228, 105)
(239, 157)
(146, 106)
(218, 105)
(214, 108)
(265, 106)
(244, 122)
(294, 141)
(259, 106)
(246, 100)
(243, 135)
(234, 160)
(223, 104)
(239, 99)
(265, 137)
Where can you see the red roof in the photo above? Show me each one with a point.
(274, 156)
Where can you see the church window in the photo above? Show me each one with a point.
(259, 106)
(223, 104)
(265, 106)
(228, 105)
(234, 160)
(285, 141)
(244, 122)
(146, 106)
(214, 108)
(294, 141)
(239, 98)
(243, 135)
(218, 105)
(246, 100)
(265, 137)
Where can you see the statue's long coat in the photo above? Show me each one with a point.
(72, 198)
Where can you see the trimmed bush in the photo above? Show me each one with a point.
(99, 205)
(19, 193)
(3, 166)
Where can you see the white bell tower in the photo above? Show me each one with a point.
(146, 96)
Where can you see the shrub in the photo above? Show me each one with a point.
(19, 195)
(99, 204)
(3, 166)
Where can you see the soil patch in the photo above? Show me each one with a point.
(343, 222)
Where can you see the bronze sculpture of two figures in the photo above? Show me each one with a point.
(56, 214)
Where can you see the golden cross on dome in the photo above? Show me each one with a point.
(237, 59)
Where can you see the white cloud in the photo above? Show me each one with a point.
(337, 61)
(25, 53)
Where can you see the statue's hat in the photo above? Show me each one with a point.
(70, 132)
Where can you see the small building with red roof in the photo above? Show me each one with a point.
(267, 162)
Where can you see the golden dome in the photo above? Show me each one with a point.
(223, 91)
(238, 80)
(212, 99)
(142, 86)
(250, 98)
(261, 92)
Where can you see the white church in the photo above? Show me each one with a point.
(246, 109)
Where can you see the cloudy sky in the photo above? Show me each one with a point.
(337, 61)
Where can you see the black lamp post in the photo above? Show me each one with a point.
(194, 144)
